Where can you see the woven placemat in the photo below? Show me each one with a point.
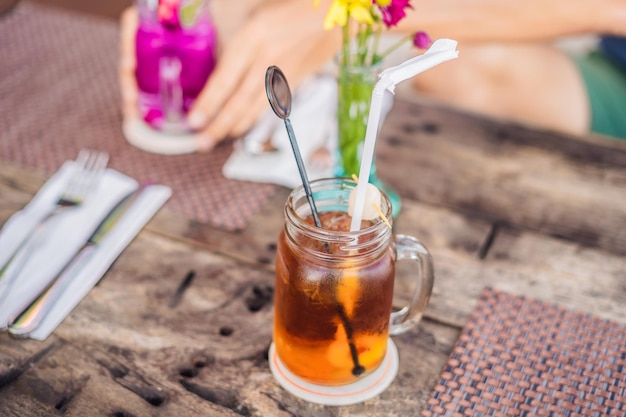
(523, 357)
(59, 93)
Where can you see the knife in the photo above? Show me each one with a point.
(29, 317)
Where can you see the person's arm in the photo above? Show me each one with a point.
(228, 17)
(514, 20)
(290, 34)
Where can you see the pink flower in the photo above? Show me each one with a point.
(168, 12)
(394, 12)
(421, 40)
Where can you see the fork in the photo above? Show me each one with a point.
(87, 170)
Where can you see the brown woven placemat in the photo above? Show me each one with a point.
(522, 357)
(59, 93)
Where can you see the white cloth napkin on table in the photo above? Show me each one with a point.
(64, 235)
(313, 117)
(314, 121)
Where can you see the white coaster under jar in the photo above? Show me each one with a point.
(141, 135)
(356, 392)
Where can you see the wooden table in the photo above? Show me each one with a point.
(520, 210)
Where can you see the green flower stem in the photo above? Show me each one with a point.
(346, 44)
(358, 64)
(374, 56)
(356, 84)
(396, 46)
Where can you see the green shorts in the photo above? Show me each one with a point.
(606, 89)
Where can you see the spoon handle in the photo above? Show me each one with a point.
(303, 176)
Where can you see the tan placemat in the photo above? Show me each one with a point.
(523, 357)
(59, 93)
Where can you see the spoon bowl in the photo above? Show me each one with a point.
(278, 92)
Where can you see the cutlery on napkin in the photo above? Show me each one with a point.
(35, 310)
(67, 235)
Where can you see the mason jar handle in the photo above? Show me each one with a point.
(409, 248)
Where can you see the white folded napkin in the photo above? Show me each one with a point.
(314, 120)
(64, 235)
(313, 117)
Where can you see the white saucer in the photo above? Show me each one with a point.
(362, 390)
(141, 135)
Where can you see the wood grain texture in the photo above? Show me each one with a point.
(212, 345)
(181, 323)
(562, 186)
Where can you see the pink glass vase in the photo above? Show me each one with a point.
(176, 46)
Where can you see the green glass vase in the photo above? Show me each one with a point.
(355, 84)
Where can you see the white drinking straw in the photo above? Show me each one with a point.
(440, 51)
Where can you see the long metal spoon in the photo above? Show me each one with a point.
(279, 96)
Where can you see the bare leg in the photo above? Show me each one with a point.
(533, 84)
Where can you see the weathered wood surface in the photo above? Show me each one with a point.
(149, 341)
(562, 186)
(211, 341)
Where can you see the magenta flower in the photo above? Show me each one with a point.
(421, 40)
(394, 12)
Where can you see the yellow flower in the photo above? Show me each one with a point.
(381, 3)
(360, 10)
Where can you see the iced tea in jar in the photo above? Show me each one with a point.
(334, 288)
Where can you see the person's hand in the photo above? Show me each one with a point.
(129, 23)
(289, 35)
